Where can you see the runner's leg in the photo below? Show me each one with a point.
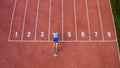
(56, 46)
(55, 49)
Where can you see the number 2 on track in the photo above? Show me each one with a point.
(28, 34)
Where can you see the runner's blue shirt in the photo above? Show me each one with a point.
(55, 35)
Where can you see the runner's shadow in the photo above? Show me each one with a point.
(61, 47)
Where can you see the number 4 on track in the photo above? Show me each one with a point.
(28, 34)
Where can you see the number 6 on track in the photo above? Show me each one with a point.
(69, 34)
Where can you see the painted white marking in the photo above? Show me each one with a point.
(74, 1)
(50, 6)
(24, 19)
(96, 34)
(62, 20)
(69, 34)
(37, 19)
(42, 34)
(83, 34)
(28, 34)
(13, 13)
(109, 34)
(113, 20)
(88, 19)
(16, 34)
(87, 41)
(114, 29)
(61, 41)
(99, 11)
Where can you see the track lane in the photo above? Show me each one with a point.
(108, 22)
(56, 18)
(69, 20)
(29, 20)
(16, 31)
(96, 32)
(82, 22)
(43, 20)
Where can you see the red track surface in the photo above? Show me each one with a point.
(75, 16)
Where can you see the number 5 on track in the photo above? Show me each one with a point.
(83, 34)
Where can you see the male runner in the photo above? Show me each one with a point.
(55, 38)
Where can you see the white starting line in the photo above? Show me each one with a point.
(62, 41)
(69, 34)
(42, 34)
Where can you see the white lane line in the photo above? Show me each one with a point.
(66, 41)
(74, 1)
(96, 41)
(62, 20)
(50, 5)
(13, 13)
(88, 19)
(29, 41)
(37, 19)
(114, 28)
(113, 20)
(118, 50)
(99, 11)
(24, 19)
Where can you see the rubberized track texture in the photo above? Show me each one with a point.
(87, 37)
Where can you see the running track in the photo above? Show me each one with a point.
(86, 33)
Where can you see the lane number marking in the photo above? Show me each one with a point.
(42, 34)
(69, 34)
(83, 34)
(28, 34)
(96, 34)
(16, 34)
(109, 34)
